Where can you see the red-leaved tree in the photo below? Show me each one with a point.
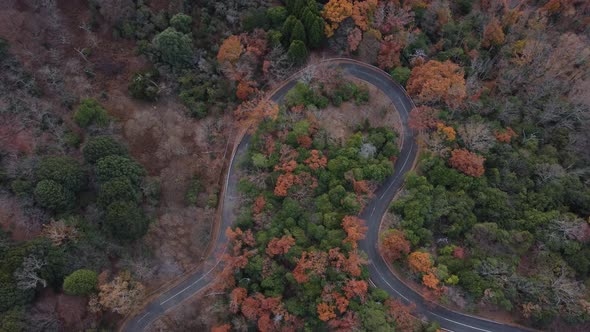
(467, 162)
(394, 245)
(280, 246)
(355, 230)
(436, 81)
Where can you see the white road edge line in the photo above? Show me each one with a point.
(452, 321)
(142, 317)
(397, 175)
(388, 284)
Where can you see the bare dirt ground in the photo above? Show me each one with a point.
(46, 37)
(340, 122)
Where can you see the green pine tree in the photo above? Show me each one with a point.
(315, 35)
(297, 52)
(288, 28)
(298, 32)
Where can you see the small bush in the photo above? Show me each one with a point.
(401, 75)
(91, 112)
(80, 283)
(361, 96)
(72, 139)
(192, 194)
(213, 199)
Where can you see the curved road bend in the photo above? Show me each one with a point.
(380, 274)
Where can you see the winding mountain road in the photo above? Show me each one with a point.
(380, 275)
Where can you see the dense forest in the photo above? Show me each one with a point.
(115, 116)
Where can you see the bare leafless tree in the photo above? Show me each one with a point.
(27, 276)
(476, 136)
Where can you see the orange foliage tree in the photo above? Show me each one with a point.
(493, 35)
(284, 182)
(252, 112)
(280, 246)
(353, 263)
(341, 302)
(363, 12)
(349, 322)
(230, 50)
(420, 261)
(258, 305)
(437, 81)
(221, 328)
(325, 311)
(316, 160)
(360, 187)
(310, 263)
(356, 288)
(336, 11)
(355, 230)
(449, 132)
(236, 297)
(259, 204)
(430, 281)
(304, 141)
(402, 314)
(467, 162)
(505, 136)
(394, 245)
(287, 166)
(244, 90)
(238, 238)
(389, 53)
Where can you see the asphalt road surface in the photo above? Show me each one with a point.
(380, 274)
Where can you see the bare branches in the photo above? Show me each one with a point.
(27, 275)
